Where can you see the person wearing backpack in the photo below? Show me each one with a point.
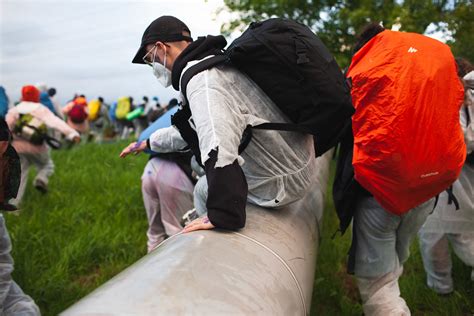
(98, 118)
(45, 98)
(77, 114)
(268, 168)
(57, 107)
(113, 119)
(29, 122)
(13, 301)
(140, 122)
(405, 147)
(4, 103)
(124, 107)
(452, 221)
(157, 110)
(94, 109)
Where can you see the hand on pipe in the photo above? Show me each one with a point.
(201, 223)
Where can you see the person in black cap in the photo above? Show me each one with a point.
(221, 103)
(162, 42)
(164, 29)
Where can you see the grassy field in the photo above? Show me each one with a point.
(91, 225)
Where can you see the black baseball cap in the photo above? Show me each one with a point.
(165, 29)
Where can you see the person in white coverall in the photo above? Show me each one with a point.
(12, 299)
(36, 154)
(381, 240)
(275, 169)
(448, 225)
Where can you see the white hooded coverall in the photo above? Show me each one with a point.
(446, 225)
(278, 166)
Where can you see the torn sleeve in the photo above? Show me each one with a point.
(227, 194)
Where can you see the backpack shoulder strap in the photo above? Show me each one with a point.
(452, 198)
(280, 127)
(199, 67)
(468, 117)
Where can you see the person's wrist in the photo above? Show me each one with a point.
(137, 146)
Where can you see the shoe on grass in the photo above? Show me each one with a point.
(8, 207)
(41, 186)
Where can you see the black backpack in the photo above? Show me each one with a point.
(469, 157)
(294, 68)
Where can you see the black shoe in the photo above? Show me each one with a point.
(8, 207)
(41, 186)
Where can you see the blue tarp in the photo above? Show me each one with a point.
(3, 103)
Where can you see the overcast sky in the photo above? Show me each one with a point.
(84, 46)
(87, 46)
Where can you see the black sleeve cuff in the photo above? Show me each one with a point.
(227, 194)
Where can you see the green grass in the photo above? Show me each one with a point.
(91, 225)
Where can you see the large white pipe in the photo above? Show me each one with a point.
(267, 268)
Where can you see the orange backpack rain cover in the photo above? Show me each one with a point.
(408, 142)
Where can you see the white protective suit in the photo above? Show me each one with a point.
(37, 155)
(278, 166)
(448, 225)
(12, 299)
(383, 242)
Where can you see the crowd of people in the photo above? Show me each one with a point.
(216, 157)
(39, 122)
(33, 126)
(96, 119)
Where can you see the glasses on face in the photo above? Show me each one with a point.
(149, 58)
(152, 53)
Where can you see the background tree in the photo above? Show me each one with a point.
(338, 21)
(460, 22)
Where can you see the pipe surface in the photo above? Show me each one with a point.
(267, 268)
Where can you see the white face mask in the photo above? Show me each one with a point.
(161, 72)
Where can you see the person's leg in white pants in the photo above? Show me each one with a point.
(18, 303)
(45, 166)
(383, 241)
(12, 299)
(200, 196)
(463, 246)
(25, 168)
(437, 259)
(434, 250)
(167, 195)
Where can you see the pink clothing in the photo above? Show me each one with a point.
(80, 127)
(43, 114)
(167, 195)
